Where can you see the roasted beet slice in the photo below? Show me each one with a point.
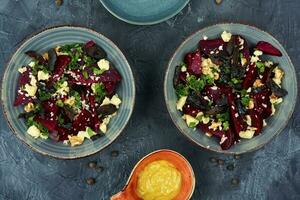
(262, 104)
(64, 133)
(50, 107)
(204, 127)
(213, 92)
(229, 140)
(36, 56)
(251, 74)
(93, 50)
(256, 121)
(83, 120)
(190, 110)
(268, 48)
(61, 63)
(207, 46)
(49, 124)
(193, 61)
(110, 79)
(236, 119)
(22, 97)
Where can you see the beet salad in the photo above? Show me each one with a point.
(228, 88)
(68, 93)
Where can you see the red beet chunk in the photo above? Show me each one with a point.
(207, 46)
(251, 74)
(50, 107)
(83, 120)
(262, 104)
(193, 61)
(213, 93)
(204, 127)
(21, 99)
(256, 121)
(190, 110)
(268, 48)
(63, 133)
(61, 63)
(229, 141)
(49, 124)
(236, 119)
(110, 79)
(89, 44)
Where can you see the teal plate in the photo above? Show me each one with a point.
(43, 41)
(144, 12)
(275, 124)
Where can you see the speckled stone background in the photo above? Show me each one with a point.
(272, 172)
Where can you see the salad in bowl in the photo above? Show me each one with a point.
(227, 89)
(230, 88)
(68, 93)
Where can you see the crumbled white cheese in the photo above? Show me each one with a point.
(223, 139)
(273, 109)
(75, 140)
(70, 101)
(248, 120)
(22, 70)
(180, 103)
(215, 125)
(31, 64)
(208, 134)
(208, 66)
(251, 104)
(115, 100)
(63, 89)
(254, 59)
(31, 90)
(278, 74)
(214, 87)
(103, 64)
(34, 131)
(33, 80)
(205, 37)
(275, 100)
(183, 68)
(264, 123)
(268, 63)
(191, 121)
(42, 76)
(247, 134)
(258, 53)
(205, 120)
(103, 125)
(243, 61)
(226, 36)
(29, 107)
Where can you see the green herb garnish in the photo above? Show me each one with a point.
(261, 67)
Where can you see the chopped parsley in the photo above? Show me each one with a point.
(261, 67)
(182, 90)
(99, 91)
(225, 125)
(245, 100)
(223, 117)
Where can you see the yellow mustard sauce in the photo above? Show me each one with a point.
(159, 180)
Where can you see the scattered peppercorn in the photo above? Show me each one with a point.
(235, 181)
(90, 181)
(230, 167)
(218, 2)
(59, 2)
(237, 157)
(115, 153)
(221, 162)
(213, 160)
(92, 164)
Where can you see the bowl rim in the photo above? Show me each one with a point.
(142, 23)
(228, 152)
(30, 36)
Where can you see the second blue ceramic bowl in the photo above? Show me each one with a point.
(42, 42)
(276, 123)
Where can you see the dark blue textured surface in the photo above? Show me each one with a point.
(270, 173)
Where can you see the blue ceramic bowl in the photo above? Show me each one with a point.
(144, 12)
(41, 42)
(275, 124)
